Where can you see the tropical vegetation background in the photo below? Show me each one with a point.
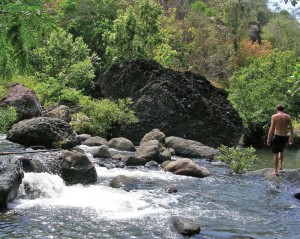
(59, 48)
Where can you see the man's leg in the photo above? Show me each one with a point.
(280, 159)
(276, 156)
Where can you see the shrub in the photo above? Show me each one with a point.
(98, 116)
(238, 160)
(8, 116)
(3, 92)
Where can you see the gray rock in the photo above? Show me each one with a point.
(152, 164)
(83, 137)
(11, 176)
(185, 226)
(60, 112)
(43, 131)
(95, 141)
(165, 155)
(190, 148)
(149, 150)
(122, 144)
(172, 189)
(187, 167)
(154, 134)
(165, 163)
(130, 160)
(75, 168)
(125, 183)
(32, 165)
(102, 152)
(24, 100)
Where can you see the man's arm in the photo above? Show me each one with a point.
(291, 132)
(271, 130)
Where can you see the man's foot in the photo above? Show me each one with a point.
(280, 168)
(275, 173)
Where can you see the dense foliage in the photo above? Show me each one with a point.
(98, 116)
(64, 60)
(21, 25)
(255, 90)
(8, 116)
(59, 48)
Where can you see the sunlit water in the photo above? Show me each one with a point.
(225, 206)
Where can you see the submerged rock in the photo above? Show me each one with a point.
(185, 226)
(180, 104)
(125, 183)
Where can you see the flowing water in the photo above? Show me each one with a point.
(225, 206)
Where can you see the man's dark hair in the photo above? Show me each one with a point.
(280, 107)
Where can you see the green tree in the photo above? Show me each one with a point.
(211, 49)
(136, 32)
(90, 19)
(65, 59)
(255, 90)
(22, 23)
(283, 31)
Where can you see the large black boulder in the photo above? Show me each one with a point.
(179, 104)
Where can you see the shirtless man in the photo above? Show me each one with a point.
(281, 125)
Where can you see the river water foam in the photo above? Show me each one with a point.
(225, 206)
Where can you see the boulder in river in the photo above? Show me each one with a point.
(95, 141)
(190, 148)
(121, 143)
(185, 226)
(149, 150)
(102, 152)
(76, 168)
(43, 131)
(125, 182)
(181, 104)
(154, 134)
(11, 175)
(187, 167)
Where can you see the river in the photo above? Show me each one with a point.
(226, 206)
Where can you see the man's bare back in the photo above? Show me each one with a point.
(281, 124)
(280, 132)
